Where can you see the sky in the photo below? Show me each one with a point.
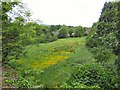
(68, 12)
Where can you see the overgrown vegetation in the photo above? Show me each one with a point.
(104, 42)
(60, 56)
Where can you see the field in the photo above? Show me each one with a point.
(50, 64)
(60, 55)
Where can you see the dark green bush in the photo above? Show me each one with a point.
(102, 54)
(92, 75)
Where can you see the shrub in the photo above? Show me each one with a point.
(22, 83)
(77, 85)
(102, 54)
(92, 75)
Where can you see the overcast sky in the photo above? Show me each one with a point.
(68, 12)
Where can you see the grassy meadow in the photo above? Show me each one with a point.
(52, 63)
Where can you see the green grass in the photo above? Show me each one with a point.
(55, 60)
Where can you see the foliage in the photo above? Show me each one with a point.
(102, 54)
(79, 31)
(104, 42)
(71, 32)
(89, 38)
(78, 85)
(12, 33)
(92, 74)
(22, 83)
(106, 31)
(63, 33)
(118, 46)
(55, 28)
(41, 33)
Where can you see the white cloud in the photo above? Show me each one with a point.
(68, 12)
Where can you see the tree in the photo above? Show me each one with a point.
(13, 32)
(106, 30)
(79, 31)
(107, 34)
(55, 28)
(63, 33)
(71, 32)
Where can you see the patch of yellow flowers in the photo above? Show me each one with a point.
(58, 56)
(51, 60)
